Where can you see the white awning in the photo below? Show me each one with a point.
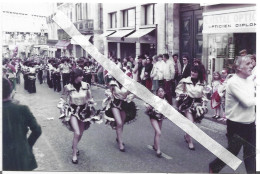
(75, 43)
(141, 32)
(121, 33)
(107, 33)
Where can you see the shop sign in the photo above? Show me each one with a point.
(236, 22)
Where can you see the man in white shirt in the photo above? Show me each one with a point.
(168, 75)
(240, 114)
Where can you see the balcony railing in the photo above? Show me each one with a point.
(85, 26)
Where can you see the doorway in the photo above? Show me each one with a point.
(191, 26)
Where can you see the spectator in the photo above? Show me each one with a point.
(140, 67)
(147, 72)
(215, 98)
(186, 67)
(240, 113)
(168, 75)
(197, 62)
(177, 67)
(135, 70)
(17, 148)
(100, 75)
(154, 75)
(243, 52)
(142, 75)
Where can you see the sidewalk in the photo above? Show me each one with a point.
(208, 116)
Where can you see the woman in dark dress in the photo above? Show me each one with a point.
(194, 104)
(76, 109)
(17, 121)
(119, 109)
(156, 119)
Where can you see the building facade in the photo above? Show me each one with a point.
(227, 29)
(214, 33)
(23, 34)
(87, 19)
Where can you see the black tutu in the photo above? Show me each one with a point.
(193, 105)
(84, 113)
(130, 110)
(153, 114)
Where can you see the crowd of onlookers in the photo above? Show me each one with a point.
(161, 70)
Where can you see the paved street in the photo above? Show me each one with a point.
(98, 148)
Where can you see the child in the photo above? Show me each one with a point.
(215, 98)
(156, 119)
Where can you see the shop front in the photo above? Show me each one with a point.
(78, 50)
(225, 33)
(64, 48)
(145, 39)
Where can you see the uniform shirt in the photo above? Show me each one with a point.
(65, 68)
(240, 100)
(194, 91)
(80, 97)
(88, 69)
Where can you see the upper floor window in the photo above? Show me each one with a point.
(149, 14)
(112, 19)
(129, 18)
(78, 11)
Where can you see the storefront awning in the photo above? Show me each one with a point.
(118, 35)
(107, 33)
(62, 44)
(141, 36)
(44, 47)
(141, 32)
(88, 37)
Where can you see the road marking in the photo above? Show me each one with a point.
(163, 154)
(140, 91)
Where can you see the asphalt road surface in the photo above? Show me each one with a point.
(98, 148)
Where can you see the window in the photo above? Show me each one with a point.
(78, 12)
(113, 22)
(129, 18)
(149, 14)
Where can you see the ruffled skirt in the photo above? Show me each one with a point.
(84, 113)
(153, 114)
(129, 108)
(192, 105)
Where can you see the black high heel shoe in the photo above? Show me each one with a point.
(122, 150)
(74, 161)
(159, 155)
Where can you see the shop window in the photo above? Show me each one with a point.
(149, 14)
(129, 18)
(112, 18)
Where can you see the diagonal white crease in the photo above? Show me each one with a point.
(144, 94)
